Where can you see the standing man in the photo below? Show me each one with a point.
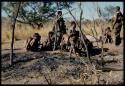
(59, 29)
(117, 25)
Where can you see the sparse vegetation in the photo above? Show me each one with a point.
(55, 67)
(23, 31)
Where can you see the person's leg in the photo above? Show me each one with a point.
(57, 42)
(117, 35)
(62, 45)
(113, 36)
(70, 51)
(109, 39)
(118, 39)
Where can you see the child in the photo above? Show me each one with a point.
(108, 38)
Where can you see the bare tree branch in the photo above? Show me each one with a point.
(95, 31)
(82, 35)
(102, 40)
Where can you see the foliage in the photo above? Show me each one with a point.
(33, 13)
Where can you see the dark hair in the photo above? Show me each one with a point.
(51, 33)
(59, 12)
(37, 36)
(73, 23)
(108, 29)
(117, 8)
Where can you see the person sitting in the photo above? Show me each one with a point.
(73, 37)
(48, 43)
(32, 43)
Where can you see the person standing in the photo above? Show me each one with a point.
(59, 29)
(117, 25)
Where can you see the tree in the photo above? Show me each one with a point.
(15, 14)
(108, 12)
(33, 13)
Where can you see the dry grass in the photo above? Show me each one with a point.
(23, 31)
(86, 77)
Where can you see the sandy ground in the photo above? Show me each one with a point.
(55, 67)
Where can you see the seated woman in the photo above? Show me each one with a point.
(33, 43)
(48, 44)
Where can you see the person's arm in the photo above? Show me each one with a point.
(115, 19)
(122, 18)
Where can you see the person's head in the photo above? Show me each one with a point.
(59, 13)
(108, 29)
(73, 24)
(36, 36)
(117, 9)
(50, 34)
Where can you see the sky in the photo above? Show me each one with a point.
(88, 9)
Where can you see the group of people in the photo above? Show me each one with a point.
(59, 38)
(113, 35)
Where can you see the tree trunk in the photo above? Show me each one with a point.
(13, 29)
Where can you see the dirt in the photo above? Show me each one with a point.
(55, 67)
